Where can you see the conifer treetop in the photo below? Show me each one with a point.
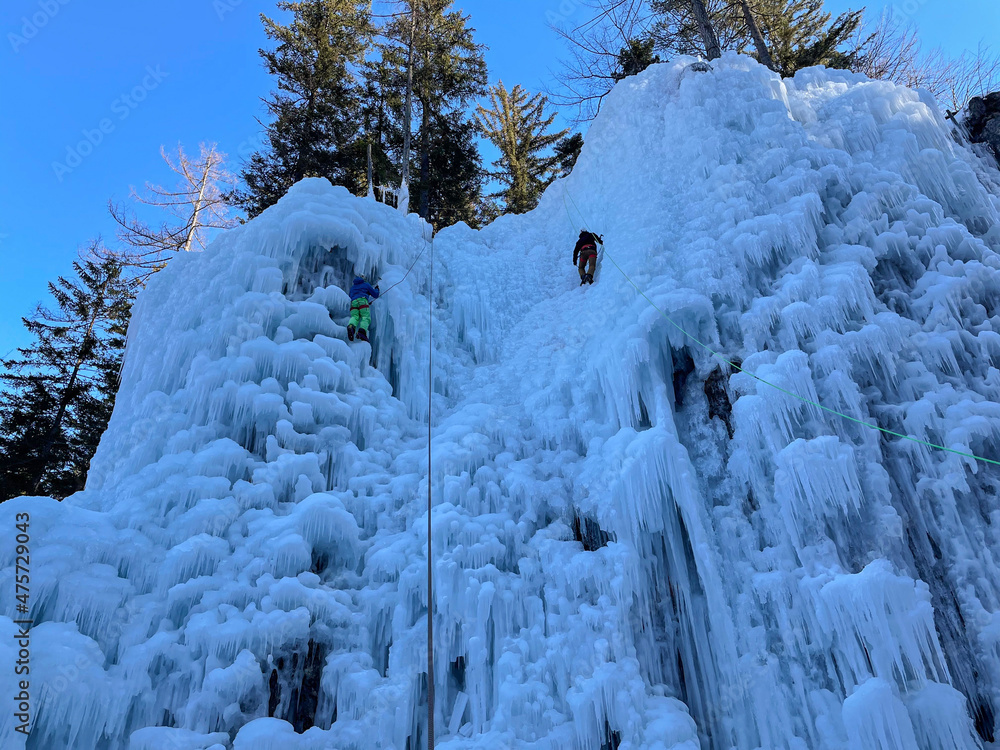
(517, 124)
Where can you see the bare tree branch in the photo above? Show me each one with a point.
(595, 47)
(892, 52)
(198, 203)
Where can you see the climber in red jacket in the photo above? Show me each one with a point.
(585, 255)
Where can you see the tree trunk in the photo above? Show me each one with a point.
(425, 163)
(407, 113)
(50, 437)
(763, 54)
(193, 224)
(425, 126)
(299, 171)
(371, 178)
(712, 48)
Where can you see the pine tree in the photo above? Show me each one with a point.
(622, 39)
(381, 113)
(316, 130)
(448, 72)
(785, 35)
(455, 177)
(517, 125)
(568, 151)
(636, 57)
(696, 27)
(60, 392)
(800, 34)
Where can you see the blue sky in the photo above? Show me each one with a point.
(131, 77)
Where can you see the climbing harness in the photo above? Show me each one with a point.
(598, 252)
(382, 294)
(765, 382)
(587, 254)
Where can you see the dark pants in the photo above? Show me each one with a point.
(588, 262)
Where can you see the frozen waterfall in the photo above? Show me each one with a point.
(635, 548)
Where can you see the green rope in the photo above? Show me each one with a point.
(760, 379)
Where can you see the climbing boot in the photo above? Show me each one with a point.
(362, 335)
(589, 278)
(350, 333)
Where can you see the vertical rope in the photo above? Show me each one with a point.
(430, 574)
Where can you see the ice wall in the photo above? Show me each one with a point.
(635, 545)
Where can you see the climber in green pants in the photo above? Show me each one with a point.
(361, 316)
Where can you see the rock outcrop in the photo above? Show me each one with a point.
(982, 120)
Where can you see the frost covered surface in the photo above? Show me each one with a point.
(634, 546)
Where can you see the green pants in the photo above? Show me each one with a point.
(361, 317)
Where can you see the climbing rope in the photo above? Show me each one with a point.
(762, 380)
(430, 569)
(419, 256)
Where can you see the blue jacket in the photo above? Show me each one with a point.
(361, 289)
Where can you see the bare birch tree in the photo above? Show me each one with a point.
(197, 204)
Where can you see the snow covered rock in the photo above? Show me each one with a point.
(982, 121)
(660, 520)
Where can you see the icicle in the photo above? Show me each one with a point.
(615, 528)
